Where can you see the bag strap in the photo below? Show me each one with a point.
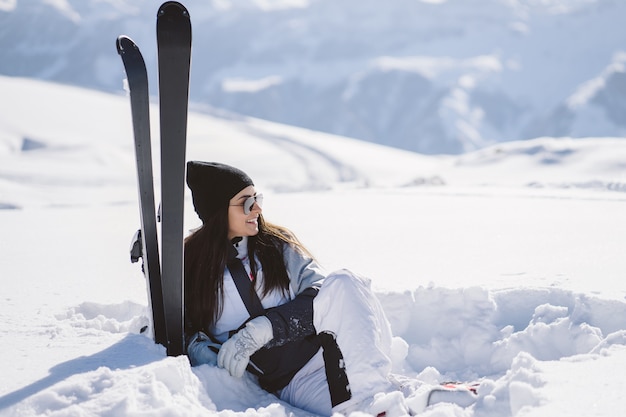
(244, 284)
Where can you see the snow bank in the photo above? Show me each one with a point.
(441, 335)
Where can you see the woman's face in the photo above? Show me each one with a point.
(239, 223)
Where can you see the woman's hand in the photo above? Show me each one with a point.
(235, 353)
(202, 350)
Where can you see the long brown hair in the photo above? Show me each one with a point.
(206, 254)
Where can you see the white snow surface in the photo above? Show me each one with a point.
(504, 266)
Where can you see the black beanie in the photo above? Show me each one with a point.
(213, 185)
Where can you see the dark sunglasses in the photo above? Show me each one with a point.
(249, 203)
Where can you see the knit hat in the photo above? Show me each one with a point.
(213, 185)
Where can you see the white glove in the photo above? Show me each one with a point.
(235, 353)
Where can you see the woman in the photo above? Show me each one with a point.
(318, 341)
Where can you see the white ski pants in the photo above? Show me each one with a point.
(347, 308)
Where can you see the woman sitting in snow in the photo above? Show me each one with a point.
(256, 300)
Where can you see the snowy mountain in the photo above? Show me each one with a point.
(510, 273)
(425, 75)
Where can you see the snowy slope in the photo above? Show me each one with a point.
(429, 76)
(511, 260)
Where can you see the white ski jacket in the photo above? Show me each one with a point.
(295, 339)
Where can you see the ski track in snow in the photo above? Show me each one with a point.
(315, 162)
(322, 169)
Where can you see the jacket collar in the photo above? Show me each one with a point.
(241, 245)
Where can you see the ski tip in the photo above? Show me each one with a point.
(172, 8)
(123, 43)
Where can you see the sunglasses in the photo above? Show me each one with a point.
(249, 203)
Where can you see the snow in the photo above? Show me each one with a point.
(503, 265)
(252, 86)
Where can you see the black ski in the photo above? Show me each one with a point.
(147, 237)
(174, 54)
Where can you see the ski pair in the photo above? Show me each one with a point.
(164, 276)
